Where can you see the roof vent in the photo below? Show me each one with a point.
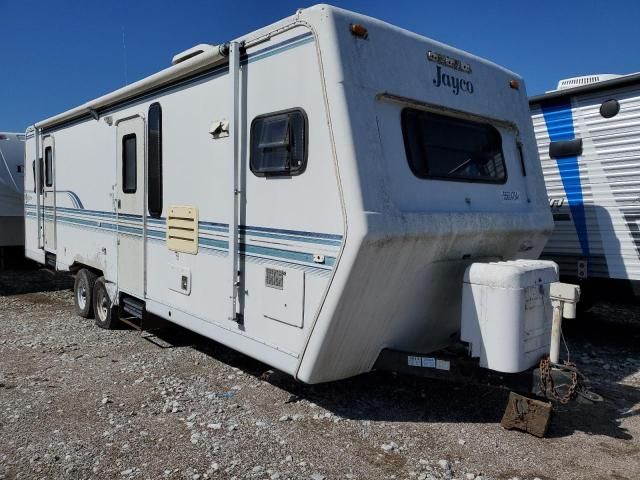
(193, 51)
(585, 80)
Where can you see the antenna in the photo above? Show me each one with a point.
(124, 54)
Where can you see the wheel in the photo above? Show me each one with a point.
(104, 312)
(83, 292)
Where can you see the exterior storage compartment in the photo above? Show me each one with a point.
(507, 313)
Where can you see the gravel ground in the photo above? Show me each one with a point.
(80, 402)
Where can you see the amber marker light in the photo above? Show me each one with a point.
(513, 83)
(358, 30)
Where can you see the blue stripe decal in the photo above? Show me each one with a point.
(266, 232)
(257, 251)
(559, 121)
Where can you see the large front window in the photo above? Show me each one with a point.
(449, 148)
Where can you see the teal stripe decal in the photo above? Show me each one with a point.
(204, 242)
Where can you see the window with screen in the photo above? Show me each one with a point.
(449, 148)
(279, 143)
(129, 167)
(154, 160)
(48, 166)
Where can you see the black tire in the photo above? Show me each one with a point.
(104, 312)
(83, 292)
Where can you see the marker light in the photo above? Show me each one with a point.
(513, 83)
(358, 30)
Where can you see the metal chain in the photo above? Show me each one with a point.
(548, 386)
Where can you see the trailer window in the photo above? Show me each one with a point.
(279, 143)
(448, 148)
(48, 166)
(129, 167)
(154, 160)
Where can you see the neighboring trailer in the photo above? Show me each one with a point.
(309, 194)
(588, 134)
(11, 188)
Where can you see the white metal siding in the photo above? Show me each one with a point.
(610, 177)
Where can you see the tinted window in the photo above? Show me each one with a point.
(448, 148)
(279, 143)
(129, 167)
(154, 159)
(48, 166)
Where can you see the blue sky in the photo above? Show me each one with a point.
(59, 54)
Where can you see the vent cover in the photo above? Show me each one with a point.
(585, 80)
(182, 229)
(274, 278)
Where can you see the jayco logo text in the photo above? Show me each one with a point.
(456, 84)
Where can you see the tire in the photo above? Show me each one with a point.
(83, 292)
(103, 307)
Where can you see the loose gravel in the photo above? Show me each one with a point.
(80, 402)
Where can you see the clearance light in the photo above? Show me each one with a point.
(358, 30)
(513, 83)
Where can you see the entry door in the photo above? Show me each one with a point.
(130, 194)
(49, 194)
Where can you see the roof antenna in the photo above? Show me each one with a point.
(124, 53)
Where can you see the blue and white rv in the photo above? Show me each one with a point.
(588, 135)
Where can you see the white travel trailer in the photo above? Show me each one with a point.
(588, 135)
(309, 194)
(11, 184)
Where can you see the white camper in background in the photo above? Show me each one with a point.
(11, 186)
(309, 194)
(588, 134)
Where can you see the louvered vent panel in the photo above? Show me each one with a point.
(182, 229)
(274, 278)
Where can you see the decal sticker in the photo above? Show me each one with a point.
(511, 196)
(443, 365)
(413, 361)
(428, 362)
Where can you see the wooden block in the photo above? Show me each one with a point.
(526, 414)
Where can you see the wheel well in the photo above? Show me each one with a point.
(76, 267)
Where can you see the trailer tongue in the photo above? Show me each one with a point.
(511, 327)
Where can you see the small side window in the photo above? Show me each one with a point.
(154, 160)
(279, 143)
(129, 164)
(35, 180)
(48, 166)
(610, 108)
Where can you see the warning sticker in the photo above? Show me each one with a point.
(414, 361)
(443, 364)
(428, 362)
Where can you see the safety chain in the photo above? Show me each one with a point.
(548, 386)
